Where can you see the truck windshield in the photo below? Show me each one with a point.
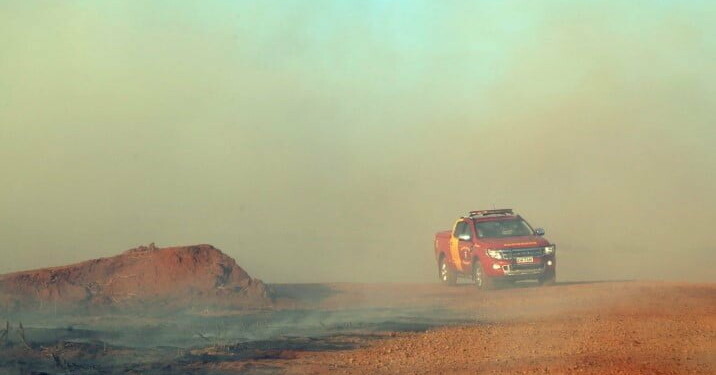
(503, 228)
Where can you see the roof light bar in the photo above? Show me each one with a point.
(503, 211)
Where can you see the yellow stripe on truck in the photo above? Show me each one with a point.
(455, 254)
(454, 250)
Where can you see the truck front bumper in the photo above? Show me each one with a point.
(513, 271)
(523, 271)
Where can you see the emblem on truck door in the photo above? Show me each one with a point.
(465, 254)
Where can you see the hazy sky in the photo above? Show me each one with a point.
(329, 140)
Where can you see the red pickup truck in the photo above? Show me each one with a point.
(489, 246)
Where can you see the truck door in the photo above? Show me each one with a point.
(460, 242)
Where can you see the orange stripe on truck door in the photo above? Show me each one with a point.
(455, 254)
(454, 250)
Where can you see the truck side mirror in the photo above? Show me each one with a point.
(539, 232)
(464, 237)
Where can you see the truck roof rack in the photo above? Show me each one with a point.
(502, 211)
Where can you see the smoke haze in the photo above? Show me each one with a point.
(328, 141)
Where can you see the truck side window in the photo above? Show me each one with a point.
(460, 228)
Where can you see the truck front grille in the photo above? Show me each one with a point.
(527, 252)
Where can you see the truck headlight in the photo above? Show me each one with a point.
(496, 254)
(550, 249)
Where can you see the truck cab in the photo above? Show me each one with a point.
(492, 246)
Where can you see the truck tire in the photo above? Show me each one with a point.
(482, 281)
(547, 280)
(447, 275)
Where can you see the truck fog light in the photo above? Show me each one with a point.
(496, 267)
(549, 262)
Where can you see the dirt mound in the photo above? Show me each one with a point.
(175, 277)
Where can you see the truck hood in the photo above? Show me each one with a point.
(513, 242)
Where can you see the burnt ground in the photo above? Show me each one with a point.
(601, 327)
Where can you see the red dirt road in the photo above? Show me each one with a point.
(590, 328)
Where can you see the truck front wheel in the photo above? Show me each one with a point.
(447, 274)
(482, 281)
(547, 280)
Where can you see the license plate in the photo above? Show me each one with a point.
(524, 259)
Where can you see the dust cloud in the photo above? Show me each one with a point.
(329, 141)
